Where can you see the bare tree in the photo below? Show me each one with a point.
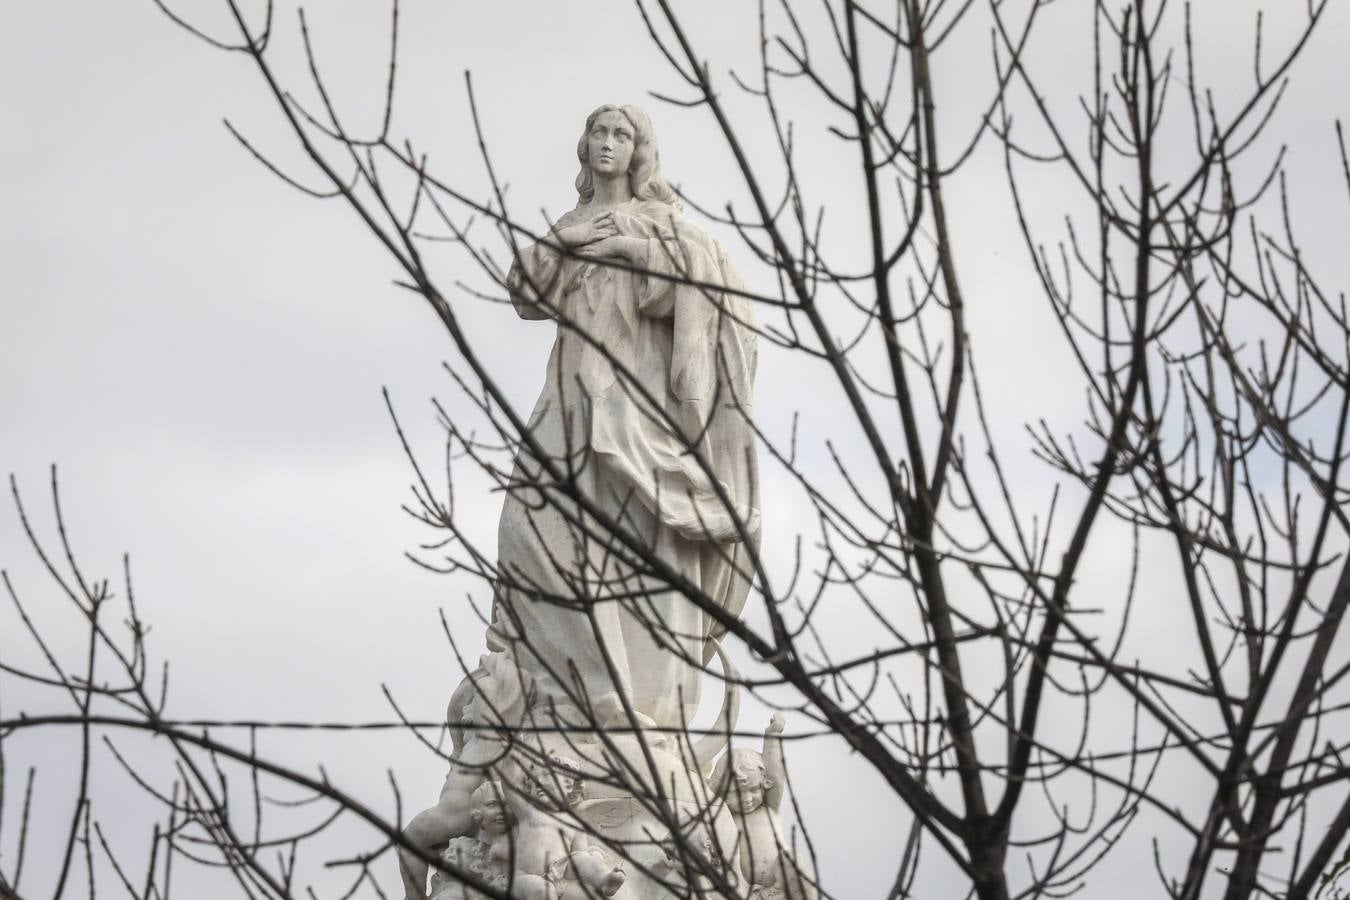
(1212, 363)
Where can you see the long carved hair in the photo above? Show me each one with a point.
(644, 170)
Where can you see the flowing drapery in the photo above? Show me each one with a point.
(645, 412)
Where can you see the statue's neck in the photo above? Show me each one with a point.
(612, 191)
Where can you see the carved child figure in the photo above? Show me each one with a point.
(487, 853)
(554, 860)
(752, 785)
(489, 702)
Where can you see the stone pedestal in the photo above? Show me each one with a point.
(630, 803)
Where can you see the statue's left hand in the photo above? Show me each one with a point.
(613, 247)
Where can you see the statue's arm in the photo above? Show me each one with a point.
(533, 280)
(773, 763)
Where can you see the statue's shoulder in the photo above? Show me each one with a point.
(669, 219)
(654, 209)
(572, 216)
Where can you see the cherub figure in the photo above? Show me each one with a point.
(752, 785)
(486, 853)
(483, 710)
(555, 860)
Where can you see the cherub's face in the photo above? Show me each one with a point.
(749, 782)
(491, 816)
(556, 789)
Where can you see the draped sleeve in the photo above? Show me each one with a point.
(535, 281)
(674, 254)
(684, 276)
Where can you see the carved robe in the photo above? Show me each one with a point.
(643, 366)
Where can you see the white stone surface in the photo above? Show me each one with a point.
(572, 774)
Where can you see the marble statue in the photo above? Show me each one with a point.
(572, 774)
(648, 361)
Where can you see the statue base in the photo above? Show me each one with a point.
(541, 803)
(603, 804)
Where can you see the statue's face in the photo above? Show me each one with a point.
(747, 793)
(610, 144)
(491, 816)
(556, 790)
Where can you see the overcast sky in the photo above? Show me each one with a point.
(201, 349)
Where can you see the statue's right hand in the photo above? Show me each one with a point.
(583, 233)
(601, 227)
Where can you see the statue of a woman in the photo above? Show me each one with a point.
(644, 414)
